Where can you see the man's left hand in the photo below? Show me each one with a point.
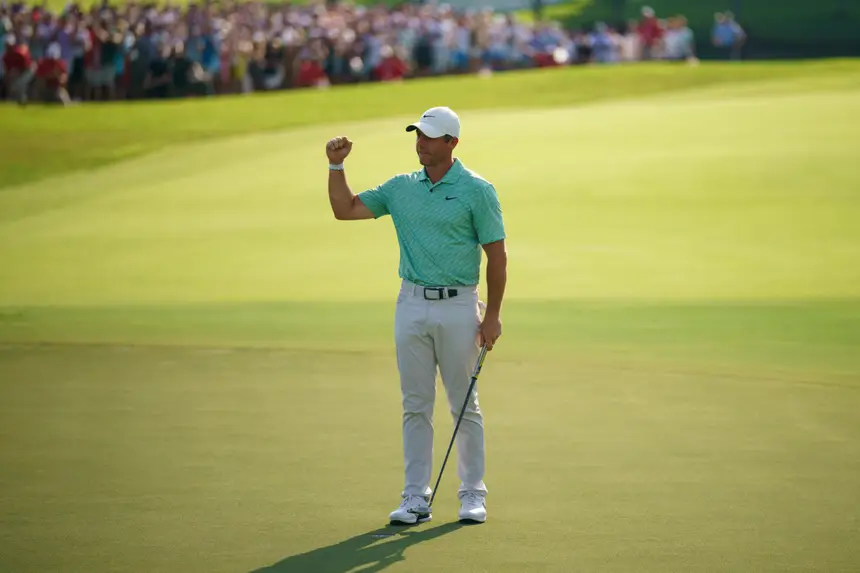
(490, 330)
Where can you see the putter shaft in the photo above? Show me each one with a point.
(423, 511)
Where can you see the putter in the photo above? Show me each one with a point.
(423, 511)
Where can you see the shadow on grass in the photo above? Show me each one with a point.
(374, 550)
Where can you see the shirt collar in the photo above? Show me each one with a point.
(451, 176)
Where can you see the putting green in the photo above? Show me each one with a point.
(694, 197)
(197, 366)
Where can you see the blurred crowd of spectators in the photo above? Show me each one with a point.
(133, 50)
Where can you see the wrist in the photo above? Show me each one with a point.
(335, 166)
(492, 313)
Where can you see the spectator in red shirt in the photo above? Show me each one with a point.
(100, 61)
(51, 77)
(650, 33)
(310, 73)
(19, 68)
(391, 67)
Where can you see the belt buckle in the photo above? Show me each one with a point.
(439, 290)
(443, 293)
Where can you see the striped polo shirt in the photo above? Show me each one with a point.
(440, 227)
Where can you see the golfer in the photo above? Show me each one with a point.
(444, 215)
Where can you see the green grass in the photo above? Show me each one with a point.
(566, 12)
(196, 361)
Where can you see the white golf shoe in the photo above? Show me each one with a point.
(473, 507)
(404, 515)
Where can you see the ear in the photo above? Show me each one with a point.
(453, 143)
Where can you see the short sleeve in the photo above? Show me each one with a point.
(487, 216)
(378, 199)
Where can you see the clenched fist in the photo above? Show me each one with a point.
(337, 149)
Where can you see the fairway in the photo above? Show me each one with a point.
(197, 365)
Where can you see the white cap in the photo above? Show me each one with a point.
(436, 122)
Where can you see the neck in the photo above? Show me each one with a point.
(437, 172)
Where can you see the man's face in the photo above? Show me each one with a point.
(433, 151)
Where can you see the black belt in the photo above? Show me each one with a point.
(441, 293)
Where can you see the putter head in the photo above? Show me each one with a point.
(421, 511)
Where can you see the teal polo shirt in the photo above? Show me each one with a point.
(441, 226)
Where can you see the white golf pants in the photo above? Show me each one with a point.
(443, 334)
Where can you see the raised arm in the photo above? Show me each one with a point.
(345, 205)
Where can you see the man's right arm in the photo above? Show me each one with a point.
(345, 205)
